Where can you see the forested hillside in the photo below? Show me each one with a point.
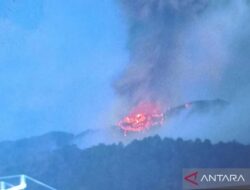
(152, 163)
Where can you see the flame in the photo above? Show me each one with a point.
(142, 117)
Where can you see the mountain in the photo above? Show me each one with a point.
(152, 163)
(199, 106)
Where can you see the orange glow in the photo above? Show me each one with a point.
(142, 117)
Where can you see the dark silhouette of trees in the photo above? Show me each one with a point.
(152, 163)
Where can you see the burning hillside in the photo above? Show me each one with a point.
(172, 59)
(147, 115)
(142, 117)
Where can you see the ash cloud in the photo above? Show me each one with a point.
(190, 50)
(156, 41)
(182, 51)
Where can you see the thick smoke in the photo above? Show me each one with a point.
(184, 50)
(157, 35)
(177, 47)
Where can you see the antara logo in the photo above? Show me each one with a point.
(214, 178)
(192, 178)
(222, 178)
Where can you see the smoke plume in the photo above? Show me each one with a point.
(184, 50)
(157, 32)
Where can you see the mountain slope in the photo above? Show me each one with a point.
(152, 163)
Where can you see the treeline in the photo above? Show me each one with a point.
(152, 163)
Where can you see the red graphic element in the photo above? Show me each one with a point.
(191, 178)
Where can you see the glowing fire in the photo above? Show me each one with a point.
(144, 116)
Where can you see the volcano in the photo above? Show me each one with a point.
(142, 117)
(148, 115)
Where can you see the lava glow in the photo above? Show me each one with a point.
(142, 117)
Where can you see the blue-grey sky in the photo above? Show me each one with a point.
(57, 61)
